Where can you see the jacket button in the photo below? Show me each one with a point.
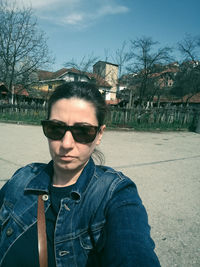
(63, 253)
(9, 231)
(45, 197)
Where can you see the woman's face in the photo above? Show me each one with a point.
(67, 154)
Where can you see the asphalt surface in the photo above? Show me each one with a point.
(164, 166)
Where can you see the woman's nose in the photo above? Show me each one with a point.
(67, 140)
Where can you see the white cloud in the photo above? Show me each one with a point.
(78, 13)
(73, 19)
(84, 17)
(111, 10)
(44, 4)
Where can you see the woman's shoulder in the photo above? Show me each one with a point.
(34, 166)
(28, 170)
(116, 180)
(119, 189)
(23, 175)
(106, 172)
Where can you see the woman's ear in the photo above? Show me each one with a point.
(100, 134)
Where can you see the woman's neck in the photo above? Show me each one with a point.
(63, 178)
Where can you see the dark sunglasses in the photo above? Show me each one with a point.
(56, 130)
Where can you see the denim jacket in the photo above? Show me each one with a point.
(102, 223)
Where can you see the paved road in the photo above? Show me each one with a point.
(165, 167)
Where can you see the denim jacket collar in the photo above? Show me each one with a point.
(42, 180)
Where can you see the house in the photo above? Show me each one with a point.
(3, 94)
(105, 76)
(109, 72)
(48, 81)
(165, 78)
(188, 100)
(162, 81)
(21, 95)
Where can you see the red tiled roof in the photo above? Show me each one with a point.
(19, 90)
(47, 75)
(100, 81)
(170, 70)
(60, 72)
(44, 75)
(193, 99)
(113, 102)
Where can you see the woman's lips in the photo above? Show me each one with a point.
(67, 158)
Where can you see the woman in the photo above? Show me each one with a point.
(93, 214)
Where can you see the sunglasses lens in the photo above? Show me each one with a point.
(84, 134)
(81, 133)
(53, 130)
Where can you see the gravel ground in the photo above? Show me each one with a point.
(164, 166)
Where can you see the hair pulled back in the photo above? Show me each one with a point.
(81, 90)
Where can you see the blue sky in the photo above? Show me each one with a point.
(78, 28)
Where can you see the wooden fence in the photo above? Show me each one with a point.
(25, 113)
(21, 108)
(163, 116)
(152, 117)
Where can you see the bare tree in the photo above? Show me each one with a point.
(84, 65)
(23, 47)
(190, 48)
(145, 60)
(121, 57)
(187, 82)
(106, 54)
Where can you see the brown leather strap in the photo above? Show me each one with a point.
(42, 238)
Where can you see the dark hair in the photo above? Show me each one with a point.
(82, 90)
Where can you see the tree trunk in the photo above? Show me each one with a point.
(130, 103)
(198, 125)
(12, 94)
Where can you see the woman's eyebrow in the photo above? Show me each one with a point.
(56, 120)
(83, 123)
